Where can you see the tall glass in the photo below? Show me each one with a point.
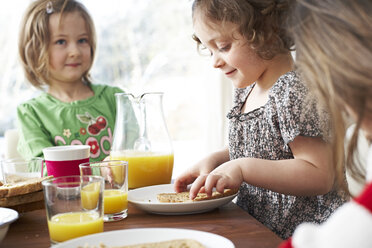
(141, 137)
(115, 195)
(74, 206)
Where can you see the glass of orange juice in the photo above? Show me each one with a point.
(74, 206)
(115, 194)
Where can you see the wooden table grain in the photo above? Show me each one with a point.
(31, 229)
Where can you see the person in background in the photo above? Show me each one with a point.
(57, 45)
(334, 53)
(278, 154)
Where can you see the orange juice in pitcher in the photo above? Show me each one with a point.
(141, 138)
(146, 168)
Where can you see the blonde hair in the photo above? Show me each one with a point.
(260, 22)
(34, 37)
(334, 53)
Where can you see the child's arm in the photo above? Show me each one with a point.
(311, 171)
(203, 167)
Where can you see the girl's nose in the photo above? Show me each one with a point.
(74, 50)
(217, 61)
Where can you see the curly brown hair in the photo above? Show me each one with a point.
(261, 22)
(34, 37)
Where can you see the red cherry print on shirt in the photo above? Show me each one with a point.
(101, 122)
(93, 129)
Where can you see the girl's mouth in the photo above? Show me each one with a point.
(230, 72)
(73, 64)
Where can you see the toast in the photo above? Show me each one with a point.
(177, 243)
(184, 196)
(21, 199)
(22, 194)
(21, 187)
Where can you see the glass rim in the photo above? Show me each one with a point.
(50, 181)
(103, 163)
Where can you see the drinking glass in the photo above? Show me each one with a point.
(18, 169)
(115, 195)
(74, 206)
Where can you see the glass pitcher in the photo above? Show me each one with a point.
(141, 138)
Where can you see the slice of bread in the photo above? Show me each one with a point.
(21, 199)
(22, 187)
(177, 243)
(184, 196)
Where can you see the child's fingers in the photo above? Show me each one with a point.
(221, 185)
(202, 190)
(197, 185)
(107, 174)
(181, 183)
(210, 183)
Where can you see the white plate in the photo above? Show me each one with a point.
(7, 216)
(145, 199)
(146, 235)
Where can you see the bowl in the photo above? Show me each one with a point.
(7, 216)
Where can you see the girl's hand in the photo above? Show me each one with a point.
(227, 176)
(203, 167)
(188, 177)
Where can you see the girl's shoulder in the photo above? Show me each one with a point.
(37, 106)
(99, 89)
(289, 87)
(290, 81)
(35, 102)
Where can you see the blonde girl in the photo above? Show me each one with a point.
(334, 53)
(57, 46)
(277, 154)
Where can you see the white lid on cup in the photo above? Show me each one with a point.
(64, 153)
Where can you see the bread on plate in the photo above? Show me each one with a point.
(184, 196)
(177, 243)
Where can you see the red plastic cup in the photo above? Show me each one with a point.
(65, 160)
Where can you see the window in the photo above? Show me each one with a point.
(143, 45)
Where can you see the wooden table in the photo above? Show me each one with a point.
(31, 229)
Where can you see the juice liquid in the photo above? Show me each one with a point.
(114, 201)
(67, 226)
(118, 174)
(146, 168)
(90, 196)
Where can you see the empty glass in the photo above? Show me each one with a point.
(18, 169)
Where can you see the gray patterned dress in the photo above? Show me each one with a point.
(265, 133)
